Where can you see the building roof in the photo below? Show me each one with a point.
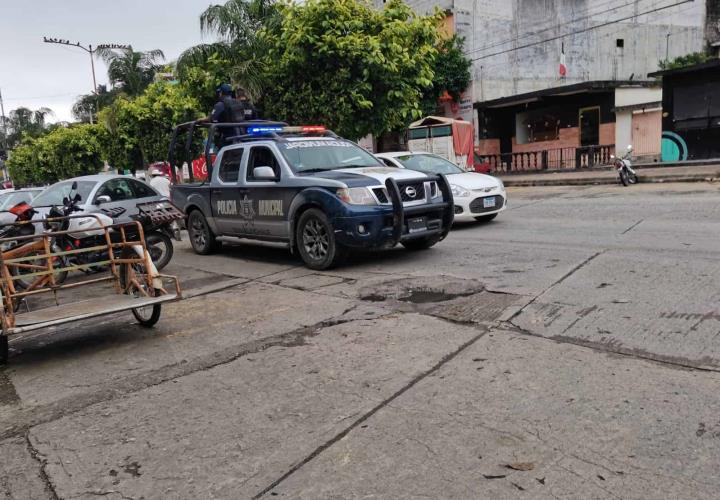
(576, 88)
(715, 63)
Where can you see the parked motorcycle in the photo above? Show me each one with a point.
(624, 168)
(87, 232)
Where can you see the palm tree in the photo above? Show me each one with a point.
(25, 122)
(88, 105)
(235, 24)
(131, 71)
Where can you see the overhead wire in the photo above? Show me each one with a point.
(583, 30)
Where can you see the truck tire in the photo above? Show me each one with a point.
(202, 238)
(315, 239)
(420, 243)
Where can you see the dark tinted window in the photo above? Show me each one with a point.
(141, 189)
(230, 165)
(261, 156)
(117, 190)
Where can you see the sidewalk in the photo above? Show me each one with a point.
(690, 173)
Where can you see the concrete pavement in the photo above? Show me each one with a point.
(567, 349)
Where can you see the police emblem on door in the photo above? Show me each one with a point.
(246, 208)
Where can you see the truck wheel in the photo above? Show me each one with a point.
(202, 238)
(316, 240)
(420, 243)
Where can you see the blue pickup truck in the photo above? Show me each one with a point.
(322, 195)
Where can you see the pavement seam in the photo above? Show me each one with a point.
(633, 226)
(42, 462)
(444, 360)
(27, 418)
(556, 283)
(598, 347)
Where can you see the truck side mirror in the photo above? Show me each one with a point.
(264, 174)
(103, 198)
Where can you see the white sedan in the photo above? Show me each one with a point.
(477, 196)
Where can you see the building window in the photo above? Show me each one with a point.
(620, 43)
(537, 126)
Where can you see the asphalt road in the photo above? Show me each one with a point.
(570, 348)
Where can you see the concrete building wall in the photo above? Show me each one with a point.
(500, 25)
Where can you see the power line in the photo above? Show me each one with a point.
(577, 32)
(572, 21)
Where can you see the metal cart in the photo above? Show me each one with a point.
(136, 285)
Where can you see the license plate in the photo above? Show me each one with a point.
(417, 224)
(489, 202)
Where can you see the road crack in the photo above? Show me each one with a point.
(42, 462)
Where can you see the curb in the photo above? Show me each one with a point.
(595, 181)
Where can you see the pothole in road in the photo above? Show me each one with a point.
(421, 290)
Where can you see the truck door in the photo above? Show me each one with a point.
(226, 192)
(266, 204)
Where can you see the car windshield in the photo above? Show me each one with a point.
(323, 154)
(9, 200)
(54, 194)
(429, 164)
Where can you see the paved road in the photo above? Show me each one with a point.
(571, 348)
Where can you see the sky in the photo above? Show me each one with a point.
(35, 74)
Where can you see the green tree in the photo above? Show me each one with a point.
(347, 65)
(132, 71)
(233, 57)
(24, 122)
(139, 130)
(65, 152)
(452, 74)
(88, 105)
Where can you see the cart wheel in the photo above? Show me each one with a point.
(147, 316)
(3, 349)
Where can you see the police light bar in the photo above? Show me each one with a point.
(304, 129)
(264, 129)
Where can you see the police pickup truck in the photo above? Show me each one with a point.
(321, 194)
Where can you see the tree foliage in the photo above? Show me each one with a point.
(452, 74)
(345, 64)
(131, 71)
(233, 58)
(140, 129)
(88, 105)
(686, 60)
(25, 122)
(62, 153)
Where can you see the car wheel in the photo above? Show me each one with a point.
(202, 238)
(315, 239)
(486, 218)
(420, 243)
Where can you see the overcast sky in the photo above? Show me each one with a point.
(36, 74)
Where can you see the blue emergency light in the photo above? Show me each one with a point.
(266, 129)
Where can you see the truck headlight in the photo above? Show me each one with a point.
(356, 196)
(458, 191)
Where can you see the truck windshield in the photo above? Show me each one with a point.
(314, 155)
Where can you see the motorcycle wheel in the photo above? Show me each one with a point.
(624, 177)
(160, 247)
(632, 178)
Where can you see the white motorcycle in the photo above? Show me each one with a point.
(624, 168)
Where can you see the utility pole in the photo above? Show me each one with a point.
(667, 47)
(89, 49)
(4, 122)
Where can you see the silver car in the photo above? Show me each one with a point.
(114, 195)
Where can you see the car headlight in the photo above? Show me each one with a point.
(356, 196)
(501, 185)
(458, 191)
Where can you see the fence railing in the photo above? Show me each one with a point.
(550, 159)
